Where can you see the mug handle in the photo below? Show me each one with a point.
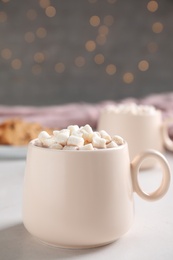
(168, 143)
(166, 175)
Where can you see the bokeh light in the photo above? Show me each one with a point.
(152, 6)
(39, 57)
(59, 67)
(41, 32)
(111, 69)
(94, 20)
(99, 59)
(157, 27)
(50, 11)
(44, 3)
(6, 53)
(103, 30)
(16, 64)
(90, 45)
(143, 65)
(80, 61)
(128, 77)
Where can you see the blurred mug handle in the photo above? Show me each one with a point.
(168, 143)
(166, 175)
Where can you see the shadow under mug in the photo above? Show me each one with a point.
(142, 132)
(84, 199)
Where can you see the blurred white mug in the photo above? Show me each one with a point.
(141, 126)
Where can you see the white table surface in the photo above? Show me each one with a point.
(151, 236)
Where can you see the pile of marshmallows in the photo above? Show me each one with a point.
(78, 138)
(131, 108)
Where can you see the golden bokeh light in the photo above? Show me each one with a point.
(80, 61)
(101, 39)
(157, 27)
(36, 69)
(152, 6)
(39, 57)
(3, 17)
(152, 47)
(16, 64)
(103, 30)
(143, 65)
(59, 67)
(90, 46)
(44, 3)
(108, 20)
(99, 59)
(41, 32)
(31, 14)
(94, 20)
(6, 53)
(50, 11)
(128, 77)
(111, 69)
(29, 37)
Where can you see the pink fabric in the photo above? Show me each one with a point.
(60, 116)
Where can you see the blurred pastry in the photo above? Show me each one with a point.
(18, 132)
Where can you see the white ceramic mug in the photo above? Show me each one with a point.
(83, 199)
(142, 132)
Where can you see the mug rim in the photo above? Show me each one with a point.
(157, 113)
(31, 144)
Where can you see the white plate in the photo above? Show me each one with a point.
(13, 152)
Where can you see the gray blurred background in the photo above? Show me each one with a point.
(60, 51)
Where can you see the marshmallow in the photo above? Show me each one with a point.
(56, 146)
(37, 142)
(62, 138)
(105, 135)
(43, 135)
(87, 136)
(75, 141)
(99, 142)
(48, 142)
(45, 139)
(65, 131)
(56, 132)
(112, 144)
(97, 134)
(77, 133)
(88, 129)
(73, 128)
(118, 139)
(87, 147)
